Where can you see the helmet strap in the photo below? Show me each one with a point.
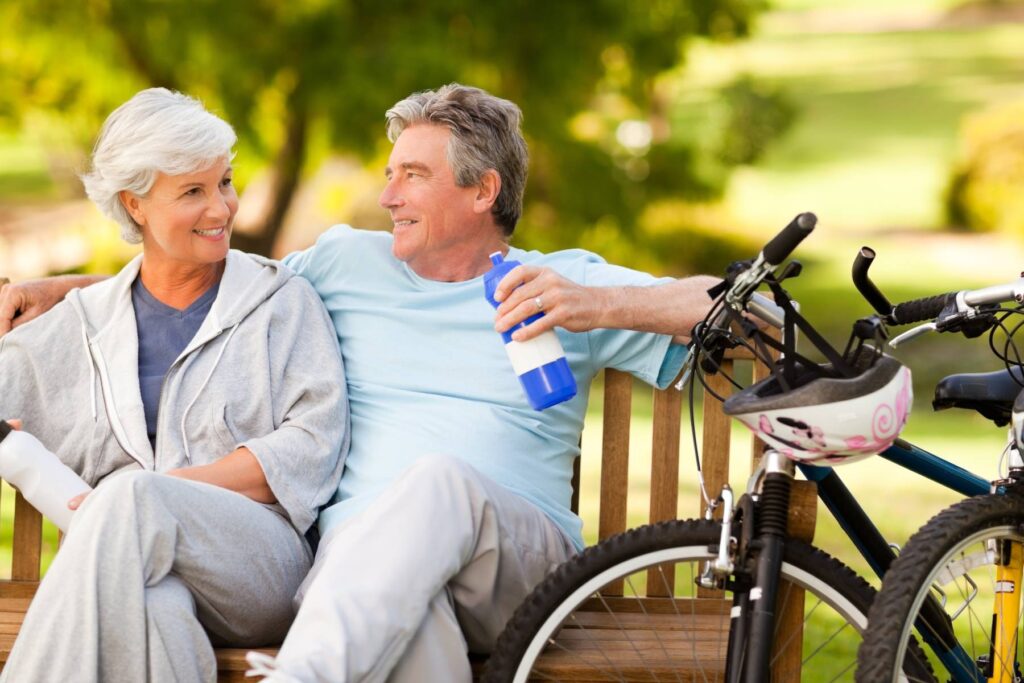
(793, 320)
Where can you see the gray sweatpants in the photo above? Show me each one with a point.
(153, 569)
(432, 569)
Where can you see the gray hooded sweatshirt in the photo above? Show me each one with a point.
(263, 371)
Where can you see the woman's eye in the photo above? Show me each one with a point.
(226, 182)
(192, 192)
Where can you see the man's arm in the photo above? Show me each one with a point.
(671, 308)
(23, 301)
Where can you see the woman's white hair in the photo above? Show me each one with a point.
(155, 131)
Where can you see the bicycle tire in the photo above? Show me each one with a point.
(832, 584)
(953, 544)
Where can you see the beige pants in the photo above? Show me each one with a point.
(432, 570)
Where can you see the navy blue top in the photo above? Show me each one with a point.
(164, 332)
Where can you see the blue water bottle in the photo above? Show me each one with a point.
(540, 362)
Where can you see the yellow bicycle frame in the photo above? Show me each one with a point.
(1006, 610)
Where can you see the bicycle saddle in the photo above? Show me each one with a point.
(990, 393)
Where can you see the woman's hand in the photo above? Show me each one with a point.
(76, 502)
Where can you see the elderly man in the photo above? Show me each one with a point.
(454, 501)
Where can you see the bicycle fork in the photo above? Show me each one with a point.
(1006, 611)
(752, 623)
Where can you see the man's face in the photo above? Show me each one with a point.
(432, 216)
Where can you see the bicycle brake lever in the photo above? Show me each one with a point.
(912, 334)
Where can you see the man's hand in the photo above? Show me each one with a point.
(529, 290)
(27, 300)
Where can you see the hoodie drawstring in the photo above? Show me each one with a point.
(92, 372)
(216, 362)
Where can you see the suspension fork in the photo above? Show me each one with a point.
(1006, 610)
(771, 520)
(1009, 555)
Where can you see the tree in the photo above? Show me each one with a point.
(292, 76)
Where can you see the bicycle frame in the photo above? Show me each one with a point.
(879, 555)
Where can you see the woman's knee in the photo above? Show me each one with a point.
(123, 496)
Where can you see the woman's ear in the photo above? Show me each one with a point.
(132, 205)
(487, 191)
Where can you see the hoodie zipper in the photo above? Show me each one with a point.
(120, 436)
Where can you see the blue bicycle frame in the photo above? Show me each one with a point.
(873, 546)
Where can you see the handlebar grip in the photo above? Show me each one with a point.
(919, 310)
(865, 286)
(783, 244)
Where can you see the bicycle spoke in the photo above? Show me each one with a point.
(553, 641)
(693, 639)
(629, 582)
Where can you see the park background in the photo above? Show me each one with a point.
(669, 136)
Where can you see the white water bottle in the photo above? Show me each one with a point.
(45, 482)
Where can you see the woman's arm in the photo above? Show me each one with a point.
(237, 471)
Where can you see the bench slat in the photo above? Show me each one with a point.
(618, 399)
(28, 540)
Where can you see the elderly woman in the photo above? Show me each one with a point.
(201, 391)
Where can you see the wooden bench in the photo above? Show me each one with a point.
(16, 593)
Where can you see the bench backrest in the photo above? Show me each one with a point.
(618, 399)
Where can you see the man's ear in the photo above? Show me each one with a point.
(487, 191)
(131, 204)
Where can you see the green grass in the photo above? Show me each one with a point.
(879, 115)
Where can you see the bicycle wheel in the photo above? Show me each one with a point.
(954, 558)
(566, 629)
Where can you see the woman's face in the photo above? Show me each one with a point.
(187, 219)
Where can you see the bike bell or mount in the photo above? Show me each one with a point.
(540, 362)
(45, 482)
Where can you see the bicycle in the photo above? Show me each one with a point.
(747, 555)
(970, 557)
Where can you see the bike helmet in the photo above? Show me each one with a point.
(825, 420)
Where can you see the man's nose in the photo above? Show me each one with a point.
(390, 197)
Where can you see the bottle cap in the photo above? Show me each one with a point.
(5, 429)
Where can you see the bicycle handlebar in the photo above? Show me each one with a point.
(783, 244)
(919, 310)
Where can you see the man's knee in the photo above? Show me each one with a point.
(442, 471)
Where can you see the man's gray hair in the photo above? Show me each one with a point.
(157, 130)
(485, 135)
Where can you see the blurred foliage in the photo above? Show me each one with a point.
(757, 114)
(304, 79)
(984, 191)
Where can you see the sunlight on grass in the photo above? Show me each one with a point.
(879, 115)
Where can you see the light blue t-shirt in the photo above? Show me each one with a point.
(427, 373)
